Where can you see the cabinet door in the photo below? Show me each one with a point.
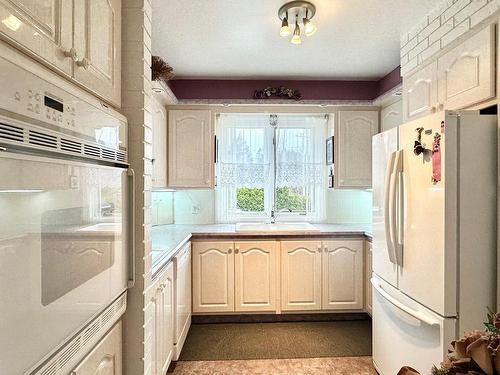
(159, 116)
(391, 116)
(255, 276)
(300, 275)
(343, 275)
(353, 148)
(159, 331)
(167, 316)
(190, 149)
(420, 92)
(213, 277)
(106, 357)
(368, 284)
(42, 28)
(182, 297)
(467, 73)
(97, 41)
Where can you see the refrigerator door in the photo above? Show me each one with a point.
(422, 275)
(406, 333)
(384, 147)
(63, 255)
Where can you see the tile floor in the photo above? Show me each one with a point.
(303, 366)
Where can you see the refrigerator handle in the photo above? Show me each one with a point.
(131, 268)
(398, 205)
(421, 316)
(388, 208)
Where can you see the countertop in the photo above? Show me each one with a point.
(168, 239)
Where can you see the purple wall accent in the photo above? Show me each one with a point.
(390, 81)
(310, 90)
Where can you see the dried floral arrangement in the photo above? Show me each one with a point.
(477, 353)
(277, 92)
(160, 70)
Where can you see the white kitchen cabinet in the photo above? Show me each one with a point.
(353, 148)
(300, 275)
(43, 29)
(213, 277)
(182, 300)
(160, 345)
(256, 275)
(106, 357)
(79, 39)
(97, 41)
(159, 116)
(342, 275)
(420, 92)
(368, 284)
(391, 116)
(467, 72)
(190, 149)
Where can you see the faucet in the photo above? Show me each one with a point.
(273, 214)
(273, 217)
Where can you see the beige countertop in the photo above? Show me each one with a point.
(168, 239)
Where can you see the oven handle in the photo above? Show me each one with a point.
(131, 278)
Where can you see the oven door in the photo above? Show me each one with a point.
(63, 253)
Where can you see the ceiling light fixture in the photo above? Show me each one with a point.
(303, 10)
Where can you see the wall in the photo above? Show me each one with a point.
(136, 83)
(449, 20)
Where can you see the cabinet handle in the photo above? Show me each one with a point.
(319, 249)
(433, 109)
(325, 249)
(229, 251)
(237, 250)
(440, 106)
(84, 63)
(71, 53)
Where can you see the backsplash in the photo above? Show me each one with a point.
(198, 207)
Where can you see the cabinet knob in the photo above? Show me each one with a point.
(319, 249)
(440, 106)
(237, 250)
(84, 63)
(71, 53)
(229, 251)
(433, 109)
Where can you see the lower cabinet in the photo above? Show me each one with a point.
(300, 275)
(263, 276)
(342, 275)
(368, 283)
(106, 357)
(162, 325)
(229, 277)
(182, 300)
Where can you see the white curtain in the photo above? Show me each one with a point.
(246, 161)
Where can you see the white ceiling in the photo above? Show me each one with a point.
(230, 39)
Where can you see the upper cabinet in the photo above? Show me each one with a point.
(467, 72)
(159, 117)
(420, 92)
(462, 77)
(42, 28)
(79, 39)
(190, 149)
(353, 148)
(97, 41)
(391, 116)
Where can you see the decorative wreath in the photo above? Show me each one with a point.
(277, 92)
(160, 70)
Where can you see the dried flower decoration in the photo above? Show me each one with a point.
(160, 70)
(277, 92)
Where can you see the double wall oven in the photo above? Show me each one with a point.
(64, 201)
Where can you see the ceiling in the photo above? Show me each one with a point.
(236, 39)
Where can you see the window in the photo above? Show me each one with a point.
(263, 167)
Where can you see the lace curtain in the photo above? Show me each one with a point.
(246, 161)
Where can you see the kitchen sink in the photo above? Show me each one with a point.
(276, 227)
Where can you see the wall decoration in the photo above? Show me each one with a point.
(160, 70)
(329, 151)
(277, 92)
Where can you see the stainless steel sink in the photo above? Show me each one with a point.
(276, 227)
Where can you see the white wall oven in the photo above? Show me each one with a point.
(64, 196)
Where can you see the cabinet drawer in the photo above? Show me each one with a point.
(106, 357)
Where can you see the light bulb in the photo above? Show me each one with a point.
(296, 34)
(309, 27)
(285, 29)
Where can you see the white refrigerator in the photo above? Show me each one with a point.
(434, 236)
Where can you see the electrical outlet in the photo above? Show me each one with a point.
(195, 209)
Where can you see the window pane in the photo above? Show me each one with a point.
(290, 199)
(250, 199)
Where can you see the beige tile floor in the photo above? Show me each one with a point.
(303, 366)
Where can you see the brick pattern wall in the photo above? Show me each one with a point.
(448, 21)
(136, 106)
